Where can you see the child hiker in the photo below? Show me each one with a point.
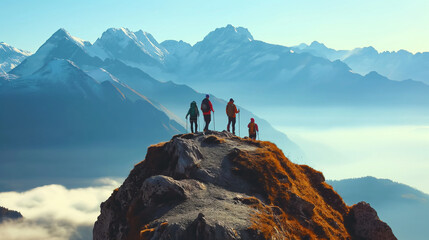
(253, 129)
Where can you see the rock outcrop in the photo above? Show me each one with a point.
(219, 186)
(6, 214)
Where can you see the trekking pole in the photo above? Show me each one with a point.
(198, 123)
(239, 123)
(214, 121)
(186, 125)
(258, 135)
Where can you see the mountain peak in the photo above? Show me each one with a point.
(219, 186)
(228, 34)
(61, 33)
(316, 44)
(6, 49)
(370, 51)
(6, 214)
(121, 43)
(117, 32)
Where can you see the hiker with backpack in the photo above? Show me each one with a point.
(193, 114)
(207, 108)
(253, 129)
(231, 111)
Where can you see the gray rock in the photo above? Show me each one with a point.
(219, 186)
(365, 224)
(187, 153)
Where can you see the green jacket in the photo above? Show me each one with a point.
(193, 110)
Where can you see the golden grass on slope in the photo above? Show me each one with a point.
(310, 209)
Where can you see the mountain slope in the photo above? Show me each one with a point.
(404, 208)
(219, 186)
(177, 98)
(60, 118)
(10, 57)
(60, 45)
(130, 47)
(172, 98)
(230, 63)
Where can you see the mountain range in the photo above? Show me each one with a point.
(10, 57)
(65, 103)
(59, 122)
(229, 62)
(396, 65)
(137, 69)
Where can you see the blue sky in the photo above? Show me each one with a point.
(384, 24)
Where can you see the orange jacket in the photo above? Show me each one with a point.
(253, 127)
(231, 110)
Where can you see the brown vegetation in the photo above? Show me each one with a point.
(306, 206)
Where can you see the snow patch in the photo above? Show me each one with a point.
(265, 58)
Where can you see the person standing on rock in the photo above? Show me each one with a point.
(193, 114)
(207, 108)
(253, 129)
(231, 111)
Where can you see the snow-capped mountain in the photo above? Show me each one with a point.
(226, 37)
(10, 57)
(130, 47)
(229, 62)
(63, 82)
(320, 50)
(58, 73)
(396, 65)
(100, 110)
(172, 98)
(61, 118)
(60, 45)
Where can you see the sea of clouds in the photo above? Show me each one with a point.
(53, 212)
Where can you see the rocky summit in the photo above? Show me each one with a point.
(219, 186)
(6, 214)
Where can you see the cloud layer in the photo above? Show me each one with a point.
(54, 212)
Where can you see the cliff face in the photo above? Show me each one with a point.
(219, 186)
(6, 214)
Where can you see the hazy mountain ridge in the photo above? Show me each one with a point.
(60, 118)
(229, 59)
(396, 65)
(60, 45)
(6, 214)
(393, 201)
(63, 103)
(173, 98)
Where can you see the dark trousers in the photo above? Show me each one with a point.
(193, 121)
(207, 119)
(252, 136)
(231, 120)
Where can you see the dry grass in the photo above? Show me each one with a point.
(212, 139)
(148, 231)
(310, 209)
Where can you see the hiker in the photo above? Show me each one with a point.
(231, 111)
(253, 129)
(193, 114)
(207, 108)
